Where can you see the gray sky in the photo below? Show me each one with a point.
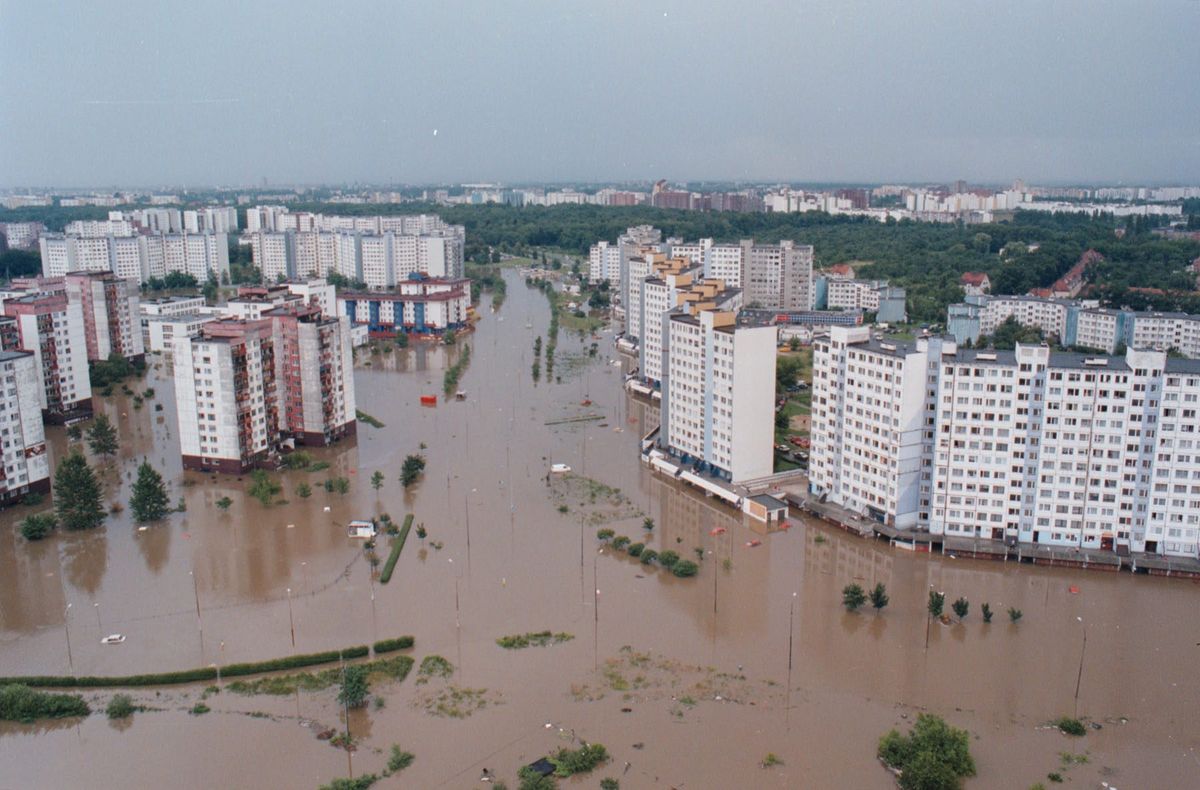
(146, 92)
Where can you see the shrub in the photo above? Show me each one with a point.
(299, 459)
(770, 760)
(37, 526)
(224, 503)
(400, 759)
(1071, 726)
(986, 611)
(685, 568)
(608, 783)
(262, 487)
(604, 534)
(411, 470)
(1014, 614)
(620, 542)
(357, 783)
(568, 762)
(647, 523)
(934, 756)
(304, 490)
(355, 687)
(853, 597)
(1055, 776)
(937, 602)
(120, 707)
(649, 556)
(533, 639)
(199, 709)
(961, 607)
(668, 559)
(392, 645)
(636, 549)
(435, 666)
(23, 704)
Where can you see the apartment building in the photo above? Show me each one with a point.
(778, 275)
(1047, 448)
(1076, 323)
(111, 315)
(661, 291)
(418, 305)
(244, 388)
(25, 465)
(137, 257)
(21, 235)
(604, 263)
(51, 328)
(379, 259)
(717, 415)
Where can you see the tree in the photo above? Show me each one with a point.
(262, 487)
(668, 559)
(986, 611)
(449, 337)
(401, 339)
(304, 490)
(77, 495)
(961, 607)
(1014, 614)
(355, 688)
(102, 437)
(224, 503)
(648, 524)
(37, 526)
(853, 596)
(685, 568)
(937, 601)
(75, 433)
(149, 499)
(411, 470)
(120, 707)
(377, 480)
(879, 596)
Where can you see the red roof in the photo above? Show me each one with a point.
(973, 278)
(841, 268)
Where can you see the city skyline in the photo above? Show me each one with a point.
(610, 93)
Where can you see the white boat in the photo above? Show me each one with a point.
(113, 639)
(559, 469)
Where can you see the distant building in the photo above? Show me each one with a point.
(138, 257)
(21, 235)
(975, 283)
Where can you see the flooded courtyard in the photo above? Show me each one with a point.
(687, 682)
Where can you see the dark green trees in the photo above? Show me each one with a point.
(77, 495)
(149, 501)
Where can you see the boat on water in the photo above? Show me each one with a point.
(113, 639)
(559, 469)
(429, 400)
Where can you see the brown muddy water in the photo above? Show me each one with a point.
(688, 682)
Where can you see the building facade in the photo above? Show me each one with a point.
(416, 306)
(111, 315)
(51, 328)
(1031, 446)
(26, 466)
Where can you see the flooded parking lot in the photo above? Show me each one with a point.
(688, 681)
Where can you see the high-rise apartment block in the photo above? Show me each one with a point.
(138, 257)
(25, 466)
(717, 388)
(245, 387)
(111, 316)
(1032, 446)
(51, 328)
(21, 235)
(380, 260)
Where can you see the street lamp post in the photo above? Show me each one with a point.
(96, 607)
(67, 626)
(291, 620)
(1079, 675)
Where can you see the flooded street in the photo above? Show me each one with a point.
(762, 628)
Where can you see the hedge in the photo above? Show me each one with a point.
(397, 547)
(188, 675)
(392, 645)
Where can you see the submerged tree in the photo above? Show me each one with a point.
(413, 466)
(853, 596)
(149, 499)
(102, 436)
(77, 496)
(879, 596)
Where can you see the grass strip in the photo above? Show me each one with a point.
(397, 547)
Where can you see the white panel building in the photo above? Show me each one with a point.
(25, 464)
(1030, 446)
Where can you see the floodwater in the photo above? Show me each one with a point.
(688, 682)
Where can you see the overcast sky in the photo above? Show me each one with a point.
(145, 92)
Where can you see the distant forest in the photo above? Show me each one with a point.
(926, 258)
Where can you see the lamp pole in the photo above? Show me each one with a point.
(67, 626)
(99, 628)
(1079, 675)
(291, 620)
